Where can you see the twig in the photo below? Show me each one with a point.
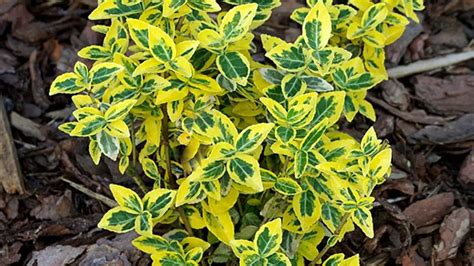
(107, 201)
(166, 143)
(186, 223)
(336, 233)
(430, 64)
(134, 167)
(428, 120)
(168, 175)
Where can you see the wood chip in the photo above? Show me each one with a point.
(452, 232)
(431, 210)
(27, 126)
(10, 173)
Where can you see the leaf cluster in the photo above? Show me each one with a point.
(245, 155)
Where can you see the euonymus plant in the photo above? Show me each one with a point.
(245, 157)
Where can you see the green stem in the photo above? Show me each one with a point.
(134, 169)
(166, 143)
(186, 223)
(168, 175)
(327, 246)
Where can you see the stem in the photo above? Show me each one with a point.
(168, 175)
(327, 247)
(186, 223)
(166, 143)
(134, 171)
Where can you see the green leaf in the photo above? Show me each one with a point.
(119, 110)
(89, 126)
(234, 66)
(331, 216)
(285, 134)
(307, 208)
(249, 257)
(268, 238)
(95, 52)
(168, 258)
(115, 8)
(162, 46)
(252, 137)
(292, 85)
(151, 244)
(236, 22)
(158, 202)
(278, 259)
(301, 161)
(67, 83)
(139, 32)
(244, 169)
(288, 57)
(314, 135)
(126, 198)
(144, 223)
(317, 27)
(287, 186)
(108, 144)
(104, 72)
(363, 218)
(150, 169)
(271, 75)
(329, 106)
(118, 220)
(317, 84)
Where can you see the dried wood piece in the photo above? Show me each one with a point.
(430, 64)
(10, 174)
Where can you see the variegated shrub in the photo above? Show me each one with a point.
(243, 156)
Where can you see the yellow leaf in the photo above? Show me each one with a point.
(219, 224)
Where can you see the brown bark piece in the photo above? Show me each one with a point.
(431, 210)
(452, 232)
(450, 95)
(10, 174)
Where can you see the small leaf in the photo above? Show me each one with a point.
(236, 22)
(151, 244)
(240, 246)
(288, 57)
(244, 169)
(67, 83)
(118, 220)
(126, 198)
(307, 209)
(103, 72)
(268, 238)
(317, 27)
(252, 137)
(158, 202)
(89, 126)
(234, 66)
(108, 144)
(220, 225)
(287, 186)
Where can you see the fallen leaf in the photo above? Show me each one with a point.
(431, 210)
(452, 232)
